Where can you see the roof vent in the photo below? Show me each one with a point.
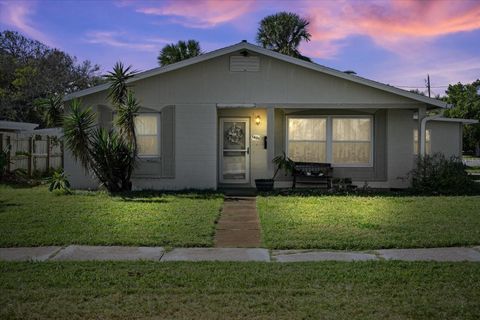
(244, 63)
(244, 41)
(350, 72)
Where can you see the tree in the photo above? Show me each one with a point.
(283, 32)
(109, 154)
(31, 71)
(182, 50)
(52, 109)
(465, 99)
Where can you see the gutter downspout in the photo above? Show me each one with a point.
(423, 125)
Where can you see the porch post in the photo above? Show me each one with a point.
(270, 139)
(422, 113)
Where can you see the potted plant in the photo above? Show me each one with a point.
(281, 162)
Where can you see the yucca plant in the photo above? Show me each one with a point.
(109, 154)
(105, 152)
(77, 129)
(117, 78)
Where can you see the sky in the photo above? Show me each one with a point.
(397, 42)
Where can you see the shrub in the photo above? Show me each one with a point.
(59, 181)
(4, 160)
(436, 174)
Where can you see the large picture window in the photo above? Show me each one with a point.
(340, 140)
(147, 129)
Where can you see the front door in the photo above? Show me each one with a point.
(234, 150)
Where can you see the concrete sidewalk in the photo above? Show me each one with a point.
(118, 253)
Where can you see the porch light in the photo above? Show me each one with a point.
(257, 120)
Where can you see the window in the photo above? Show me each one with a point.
(428, 145)
(342, 141)
(351, 140)
(147, 129)
(307, 139)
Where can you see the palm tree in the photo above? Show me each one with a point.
(283, 32)
(52, 110)
(172, 53)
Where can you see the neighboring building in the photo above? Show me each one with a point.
(18, 127)
(218, 120)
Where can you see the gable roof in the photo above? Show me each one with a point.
(253, 48)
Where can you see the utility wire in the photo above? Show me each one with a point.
(419, 86)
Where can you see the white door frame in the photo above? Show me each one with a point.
(246, 151)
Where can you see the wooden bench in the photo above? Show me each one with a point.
(312, 173)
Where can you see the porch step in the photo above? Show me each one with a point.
(239, 192)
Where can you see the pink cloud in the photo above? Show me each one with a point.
(199, 13)
(124, 40)
(17, 15)
(397, 25)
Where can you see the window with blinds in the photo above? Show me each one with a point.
(307, 139)
(340, 140)
(147, 131)
(428, 144)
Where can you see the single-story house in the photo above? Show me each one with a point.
(218, 120)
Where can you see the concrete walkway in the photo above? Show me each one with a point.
(239, 225)
(117, 253)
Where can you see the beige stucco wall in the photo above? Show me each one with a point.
(446, 137)
(277, 82)
(195, 151)
(197, 90)
(400, 158)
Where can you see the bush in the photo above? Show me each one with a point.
(59, 181)
(436, 174)
(4, 160)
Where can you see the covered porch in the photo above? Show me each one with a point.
(370, 144)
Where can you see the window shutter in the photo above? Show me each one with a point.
(167, 138)
(105, 117)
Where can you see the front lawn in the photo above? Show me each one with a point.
(350, 222)
(216, 290)
(36, 217)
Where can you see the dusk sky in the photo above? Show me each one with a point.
(395, 42)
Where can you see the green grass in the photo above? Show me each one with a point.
(36, 217)
(350, 222)
(469, 157)
(473, 169)
(215, 290)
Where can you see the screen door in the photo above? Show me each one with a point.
(234, 150)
